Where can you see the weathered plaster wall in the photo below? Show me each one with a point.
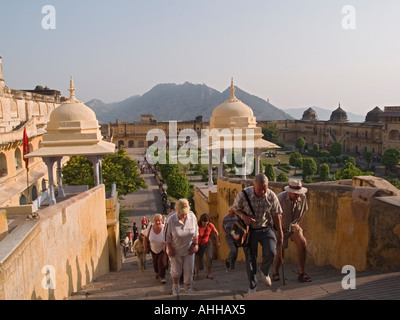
(70, 237)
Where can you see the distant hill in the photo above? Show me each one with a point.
(180, 102)
(323, 114)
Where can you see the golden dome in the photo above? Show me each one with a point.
(72, 112)
(232, 113)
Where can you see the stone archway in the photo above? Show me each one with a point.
(34, 193)
(18, 158)
(3, 165)
(22, 200)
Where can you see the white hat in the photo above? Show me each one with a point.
(295, 186)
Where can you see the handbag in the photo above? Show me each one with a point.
(146, 241)
(240, 230)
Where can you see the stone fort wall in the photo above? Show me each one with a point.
(55, 256)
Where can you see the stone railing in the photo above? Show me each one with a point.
(56, 255)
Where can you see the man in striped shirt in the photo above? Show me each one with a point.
(267, 211)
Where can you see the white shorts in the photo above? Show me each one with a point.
(185, 263)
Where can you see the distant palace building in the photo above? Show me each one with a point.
(379, 132)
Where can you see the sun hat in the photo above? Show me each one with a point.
(295, 186)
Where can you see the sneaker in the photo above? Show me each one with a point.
(188, 289)
(227, 264)
(175, 289)
(265, 279)
(250, 291)
(163, 281)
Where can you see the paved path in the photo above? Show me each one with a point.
(130, 284)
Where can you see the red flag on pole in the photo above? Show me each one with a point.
(26, 148)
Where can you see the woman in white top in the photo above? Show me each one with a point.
(181, 237)
(155, 235)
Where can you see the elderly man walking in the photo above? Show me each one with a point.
(267, 210)
(294, 204)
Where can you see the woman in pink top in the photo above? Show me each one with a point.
(205, 245)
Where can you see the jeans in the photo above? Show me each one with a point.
(233, 253)
(266, 237)
(207, 250)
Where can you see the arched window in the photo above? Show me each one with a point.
(22, 200)
(3, 165)
(44, 187)
(14, 109)
(36, 109)
(121, 143)
(394, 135)
(18, 159)
(141, 144)
(131, 144)
(34, 193)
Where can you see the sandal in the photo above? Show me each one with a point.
(304, 278)
(210, 277)
(275, 277)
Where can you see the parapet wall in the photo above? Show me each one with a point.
(55, 256)
(344, 225)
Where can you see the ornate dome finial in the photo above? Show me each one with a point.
(232, 97)
(72, 98)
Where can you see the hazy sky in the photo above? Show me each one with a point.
(294, 52)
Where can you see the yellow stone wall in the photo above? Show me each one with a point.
(70, 236)
(3, 225)
(340, 225)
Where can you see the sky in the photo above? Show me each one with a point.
(297, 53)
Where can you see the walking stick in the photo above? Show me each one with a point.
(283, 270)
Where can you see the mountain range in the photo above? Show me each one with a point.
(323, 114)
(186, 101)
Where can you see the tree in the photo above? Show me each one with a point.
(178, 185)
(368, 157)
(167, 169)
(271, 133)
(282, 177)
(315, 149)
(270, 172)
(309, 167)
(117, 168)
(350, 170)
(335, 149)
(296, 160)
(391, 158)
(324, 172)
(300, 143)
(78, 172)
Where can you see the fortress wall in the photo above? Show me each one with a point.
(344, 225)
(58, 254)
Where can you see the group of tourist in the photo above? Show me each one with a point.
(181, 242)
